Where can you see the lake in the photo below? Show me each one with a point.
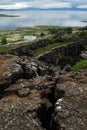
(29, 37)
(33, 18)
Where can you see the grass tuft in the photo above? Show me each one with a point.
(82, 64)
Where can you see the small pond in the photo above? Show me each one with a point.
(29, 37)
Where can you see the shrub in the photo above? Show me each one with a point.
(69, 30)
(82, 64)
(42, 34)
(82, 33)
(3, 41)
(53, 30)
(63, 39)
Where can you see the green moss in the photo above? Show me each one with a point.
(82, 64)
(5, 49)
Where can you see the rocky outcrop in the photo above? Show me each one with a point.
(26, 88)
(63, 55)
(35, 96)
(10, 71)
(20, 113)
(55, 101)
(28, 49)
(71, 108)
(13, 68)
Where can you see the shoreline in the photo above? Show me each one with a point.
(6, 15)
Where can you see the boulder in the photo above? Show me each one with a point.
(84, 55)
(10, 71)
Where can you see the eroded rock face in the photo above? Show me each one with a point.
(24, 103)
(28, 49)
(10, 71)
(35, 96)
(17, 113)
(64, 54)
(34, 68)
(13, 68)
(71, 109)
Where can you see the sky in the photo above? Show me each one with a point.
(44, 4)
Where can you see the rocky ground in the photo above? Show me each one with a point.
(34, 96)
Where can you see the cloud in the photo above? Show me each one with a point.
(14, 6)
(82, 6)
(44, 4)
(50, 4)
(37, 4)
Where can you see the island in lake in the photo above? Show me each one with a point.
(5, 15)
(84, 21)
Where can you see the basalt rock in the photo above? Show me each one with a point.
(71, 108)
(28, 49)
(24, 106)
(33, 68)
(84, 55)
(10, 71)
(35, 96)
(20, 113)
(13, 68)
(63, 55)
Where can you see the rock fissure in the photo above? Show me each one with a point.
(36, 96)
(46, 111)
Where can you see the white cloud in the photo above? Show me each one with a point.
(44, 4)
(51, 5)
(37, 4)
(14, 6)
(82, 6)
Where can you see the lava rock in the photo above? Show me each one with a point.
(71, 107)
(10, 71)
(24, 92)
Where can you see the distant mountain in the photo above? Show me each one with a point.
(64, 9)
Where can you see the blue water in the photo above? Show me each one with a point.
(33, 18)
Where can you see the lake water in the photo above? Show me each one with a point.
(33, 18)
(29, 37)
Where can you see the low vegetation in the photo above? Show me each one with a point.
(82, 64)
(57, 35)
(3, 41)
(5, 49)
(40, 51)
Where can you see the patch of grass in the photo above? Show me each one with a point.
(5, 49)
(82, 64)
(40, 51)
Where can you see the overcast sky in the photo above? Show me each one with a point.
(45, 4)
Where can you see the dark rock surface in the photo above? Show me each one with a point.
(10, 71)
(84, 54)
(20, 113)
(13, 68)
(63, 55)
(36, 96)
(71, 110)
(27, 49)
